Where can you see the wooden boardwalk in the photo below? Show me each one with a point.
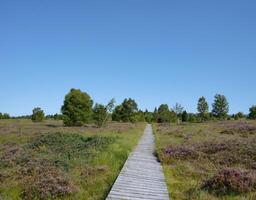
(142, 177)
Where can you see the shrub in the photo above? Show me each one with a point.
(180, 152)
(228, 181)
(99, 114)
(41, 180)
(71, 145)
(37, 115)
(77, 108)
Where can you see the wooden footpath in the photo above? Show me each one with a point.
(142, 176)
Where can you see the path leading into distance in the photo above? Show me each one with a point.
(142, 176)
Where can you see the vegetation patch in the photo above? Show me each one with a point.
(228, 181)
(42, 180)
(70, 145)
(180, 152)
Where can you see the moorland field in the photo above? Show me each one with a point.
(210, 160)
(46, 160)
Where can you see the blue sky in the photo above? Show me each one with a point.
(164, 51)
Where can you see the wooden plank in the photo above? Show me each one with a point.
(142, 176)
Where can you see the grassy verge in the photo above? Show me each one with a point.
(46, 160)
(215, 160)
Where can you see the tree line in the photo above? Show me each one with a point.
(78, 109)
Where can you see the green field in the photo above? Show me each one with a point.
(47, 160)
(194, 155)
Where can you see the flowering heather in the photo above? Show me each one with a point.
(180, 152)
(228, 181)
(238, 127)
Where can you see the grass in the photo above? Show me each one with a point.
(48, 161)
(213, 160)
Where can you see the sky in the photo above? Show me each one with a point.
(163, 51)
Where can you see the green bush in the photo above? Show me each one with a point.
(37, 115)
(100, 114)
(77, 108)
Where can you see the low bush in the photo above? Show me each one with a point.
(180, 152)
(70, 145)
(228, 181)
(42, 180)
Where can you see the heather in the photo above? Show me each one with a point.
(46, 160)
(201, 161)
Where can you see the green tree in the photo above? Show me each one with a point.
(149, 116)
(238, 115)
(1, 115)
(117, 113)
(126, 112)
(100, 114)
(252, 112)
(77, 108)
(203, 108)
(184, 116)
(37, 115)
(163, 114)
(220, 106)
(178, 109)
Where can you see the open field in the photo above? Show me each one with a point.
(213, 160)
(46, 160)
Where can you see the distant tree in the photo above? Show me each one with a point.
(57, 116)
(126, 112)
(193, 117)
(252, 113)
(149, 116)
(178, 109)
(1, 115)
(184, 116)
(129, 110)
(163, 114)
(220, 106)
(100, 114)
(37, 115)
(202, 108)
(139, 116)
(6, 116)
(238, 115)
(173, 117)
(77, 108)
(117, 113)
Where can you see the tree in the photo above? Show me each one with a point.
(220, 106)
(117, 113)
(1, 115)
(178, 109)
(252, 113)
(77, 108)
(163, 114)
(184, 116)
(126, 112)
(202, 108)
(149, 116)
(100, 114)
(238, 115)
(37, 115)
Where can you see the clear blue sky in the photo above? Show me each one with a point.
(164, 51)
